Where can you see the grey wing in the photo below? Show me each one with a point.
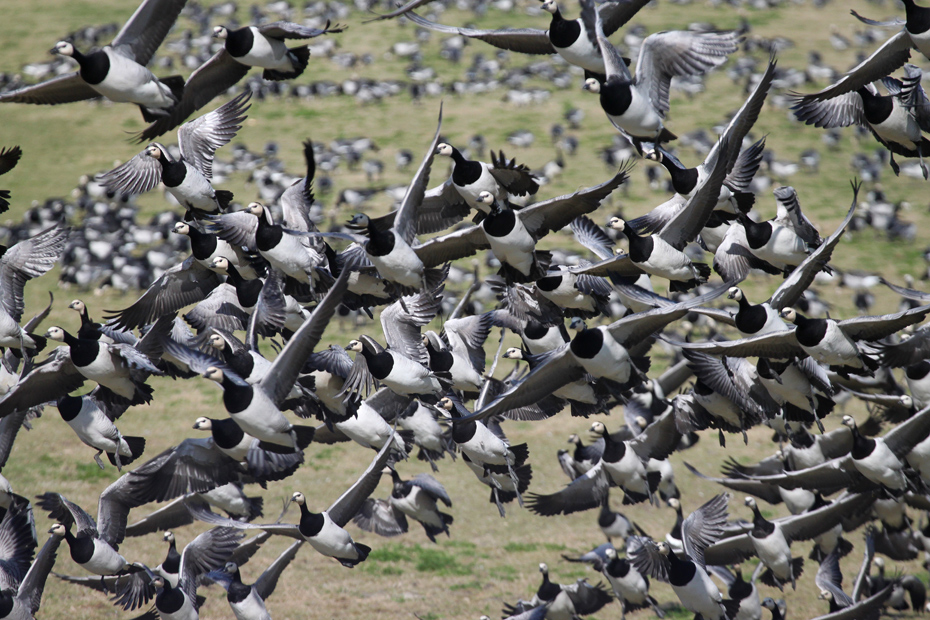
(193, 466)
(791, 290)
(170, 516)
(722, 376)
(219, 309)
(467, 337)
(868, 554)
(827, 477)
(238, 228)
(67, 513)
(452, 246)
(33, 584)
(348, 504)
(638, 327)
(767, 492)
(113, 508)
(839, 111)
(790, 214)
(867, 609)
(137, 176)
(556, 213)
(780, 345)
(433, 487)
(211, 79)
(266, 584)
(583, 493)
(209, 551)
(32, 324)
(915, 98)
(731, 550)
(645, 556)
(679, 53)
(9, 157)
(333, 360)
(617, 13)
(10, 427)
(133, 358)
(270, 312)
(146, 29)
(911, 351)
(745, 118)
(903, 437)
(658, 440)
(613, 60)
(380, 516)
(704, 527)
(558, 368)
(297, 200)
(359, 380)
(745, 166)
(656, 219)
(17, 542)
(202, 512)
(62, 89)
(49, 380)
(829, 578)
(290, 30)
(180, 286)
(592, 236)
(685, 225)
(279, 380)
(517, 179)
(883, 61)
(405, 222)
(523, 40)
(877, 327)
(26, 260)
(733, 260)
(442, 207)
(199, 139)
(812, 523)
(402, 328)
(388, 404)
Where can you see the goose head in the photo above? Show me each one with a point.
(158, 582)
(574, 439)
(231, 567)
(610, 553)
(64, 48)
(213, 374)
(750, 502)
(55, 333)
(220, 32)
(216, 341)
(550, 6)
(825, 596)
(577, 324)
(513, 353)
(355, 345)
(181, 228)
(789, 314)
(849, 421)
(77, 305)
(298, 498)
(203, 424)
(663, 548)
(616, 223)
(486, 198)
(220, 264)
(906, 401)
(256, 208)
(445, 149)
(674, 504)
(735, 293)
(592, 85)
(58, 530)
(446, 403)
(168, 537)
(543, 568)
(641, 422)
(359, 220)
(598, 428)
(154, 151)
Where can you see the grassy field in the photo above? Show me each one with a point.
(487, 560)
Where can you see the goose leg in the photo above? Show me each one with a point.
(97, 458)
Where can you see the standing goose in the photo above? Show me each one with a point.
(248, 602)
(637, 106)
(323, 530)
(687, 574)
(117, 71)
(187, 178)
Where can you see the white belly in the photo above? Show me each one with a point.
(401, 265)
(266, 53)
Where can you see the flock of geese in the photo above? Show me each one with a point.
(269, 272)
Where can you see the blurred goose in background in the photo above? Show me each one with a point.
(117, 71)
(188, 178)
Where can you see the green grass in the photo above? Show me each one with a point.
(488, 560)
